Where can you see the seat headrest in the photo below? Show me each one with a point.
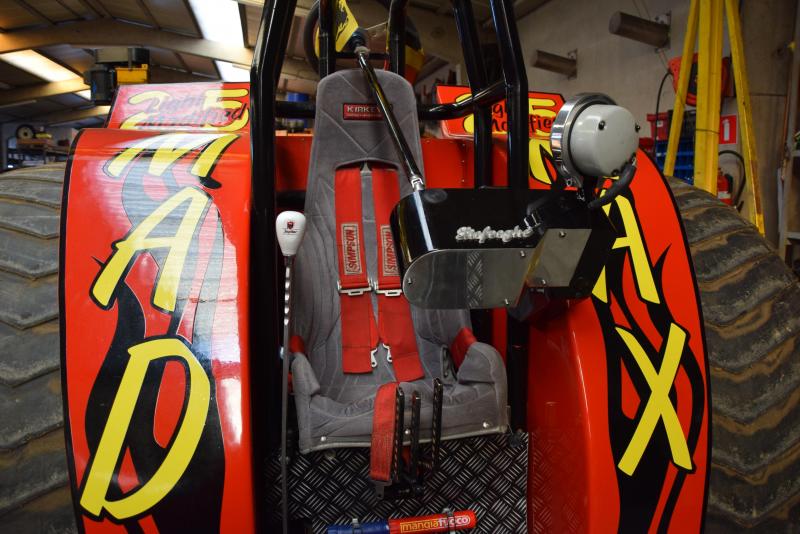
(349, 128)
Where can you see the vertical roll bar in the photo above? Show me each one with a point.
(327, 38)
(476, 72)
(265, 307)
(397, 36)
(516, 79)
(516, 91)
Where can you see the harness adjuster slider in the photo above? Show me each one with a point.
(353, 291)
(394, 292)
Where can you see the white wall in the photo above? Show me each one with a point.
(630, 72)
(626, 70)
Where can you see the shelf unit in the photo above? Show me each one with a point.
(789, 223)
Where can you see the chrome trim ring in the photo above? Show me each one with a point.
(562, 129)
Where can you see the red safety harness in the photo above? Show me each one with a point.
(394, 328)
(360, 332)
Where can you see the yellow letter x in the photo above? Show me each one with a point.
(659, 405)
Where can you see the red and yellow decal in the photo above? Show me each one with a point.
(155, 260)
(182, 106)
(542, 111)
(621, 383)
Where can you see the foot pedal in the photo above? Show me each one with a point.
(407, 477)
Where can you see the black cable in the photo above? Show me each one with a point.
(658, 104)
(740, 190)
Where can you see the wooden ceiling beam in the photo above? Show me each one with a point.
(23, 94)
(90, 34)
(70, 115)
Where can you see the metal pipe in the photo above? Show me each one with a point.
(482, 100)
(397, 36)
(516, 79)
(559, 64)
(409, 165)
(327, 38)
(645, 31)
(478, 80)
(437, 112)
(516, 91)
(265, 306)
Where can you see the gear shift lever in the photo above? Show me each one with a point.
(290, 227)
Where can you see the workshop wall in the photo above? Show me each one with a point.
(630, 72)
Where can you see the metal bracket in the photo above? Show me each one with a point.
(394, 292)
(353, 291)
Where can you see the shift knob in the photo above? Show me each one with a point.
(290, 226)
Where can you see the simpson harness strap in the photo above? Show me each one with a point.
(394, 328)
(359, 331)
(394, 314)
(384, 433)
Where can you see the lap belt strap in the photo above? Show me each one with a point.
(394, 314)
(383, 433)
(359, 331)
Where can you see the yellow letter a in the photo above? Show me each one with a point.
(140, 239)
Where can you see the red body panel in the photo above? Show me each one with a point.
(163, 303)
(600, 368)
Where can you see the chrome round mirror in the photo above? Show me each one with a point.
(592, 136)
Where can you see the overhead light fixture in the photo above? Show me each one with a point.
(38, 65)
(219, 21)
(233, 73)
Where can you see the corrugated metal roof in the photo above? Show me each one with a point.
(170, 17)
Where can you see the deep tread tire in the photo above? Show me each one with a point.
(751, 309)
(34, 488)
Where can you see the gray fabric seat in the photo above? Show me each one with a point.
(335, 409)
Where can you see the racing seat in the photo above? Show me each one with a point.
(335, 408)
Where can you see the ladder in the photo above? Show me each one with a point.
(705, 27)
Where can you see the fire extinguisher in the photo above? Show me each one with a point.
(725, 187)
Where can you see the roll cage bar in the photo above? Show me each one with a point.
(271, 47)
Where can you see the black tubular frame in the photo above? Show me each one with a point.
(478, 82)
(327, 38)
(516, 79)
(397, 36)
(265, 305)
(514, 76)
(516, 91)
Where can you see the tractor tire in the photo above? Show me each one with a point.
(34, 485)
(751, 309)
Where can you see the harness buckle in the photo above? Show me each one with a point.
(395, 292)
(353, 291)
